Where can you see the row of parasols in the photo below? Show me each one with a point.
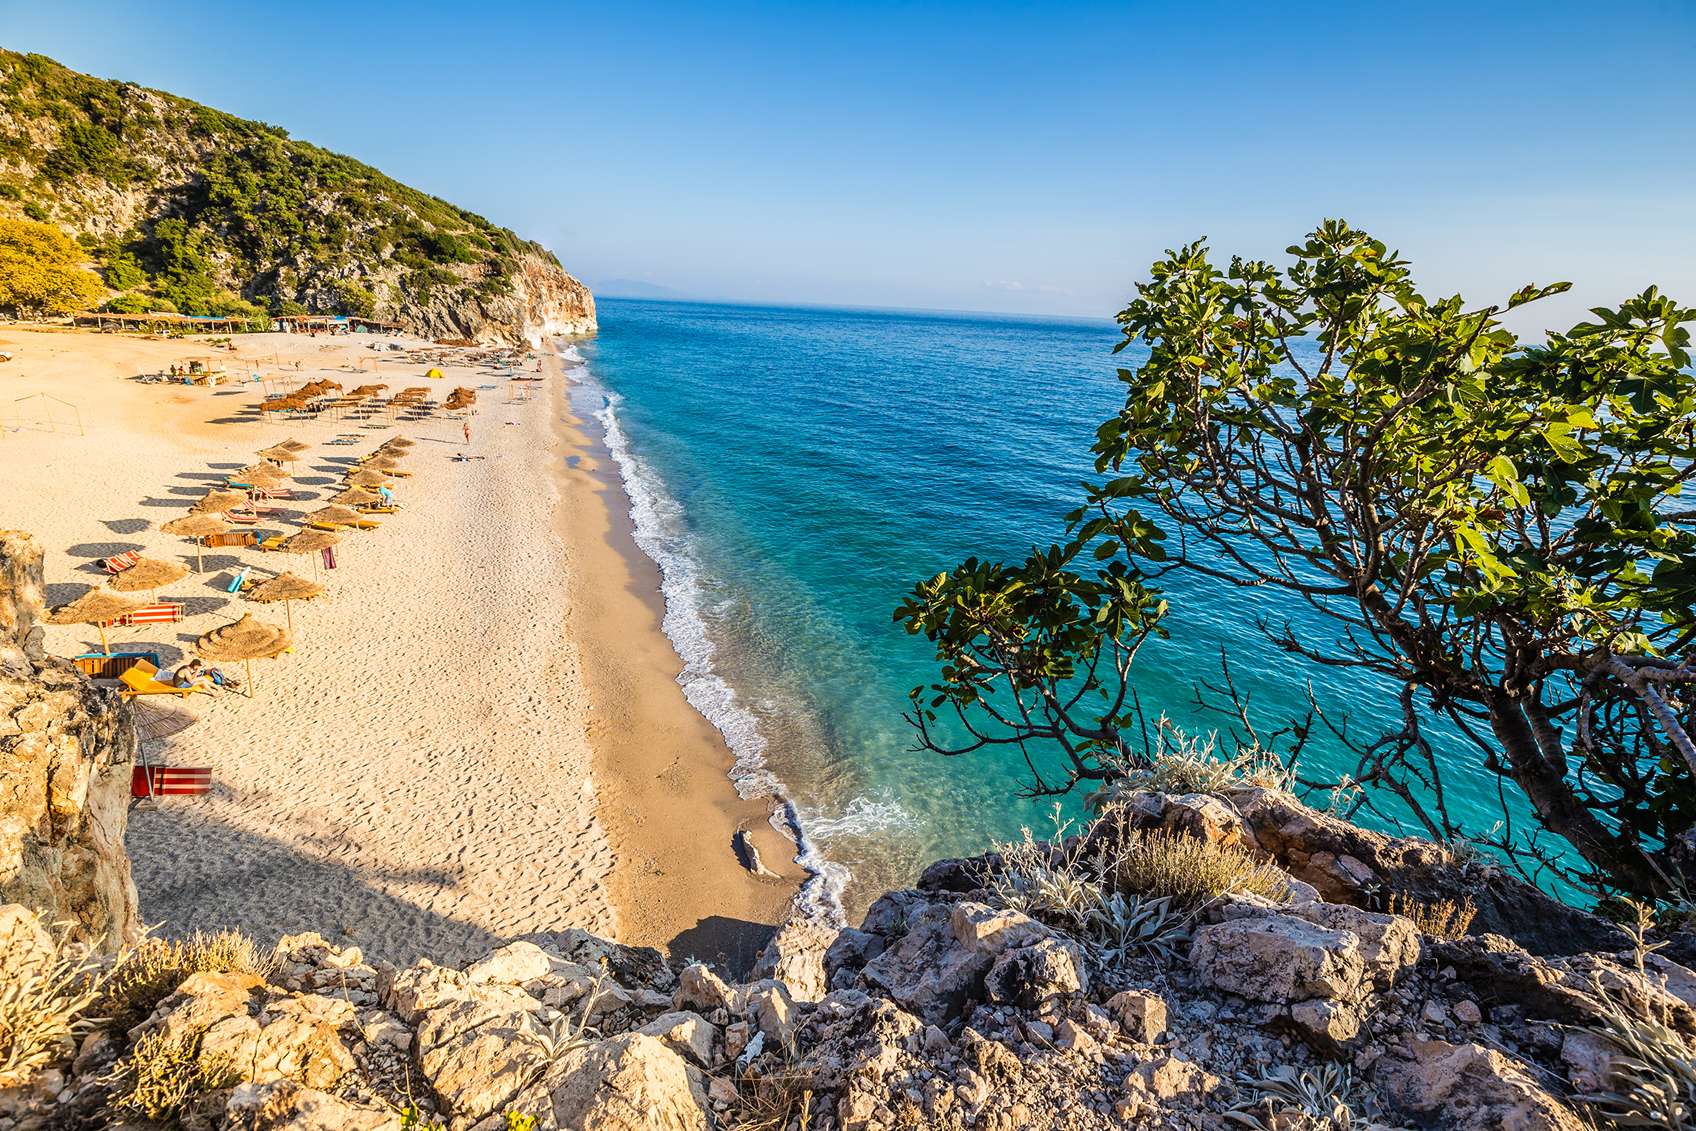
(248, 638)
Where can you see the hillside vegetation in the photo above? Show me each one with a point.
(184, 207)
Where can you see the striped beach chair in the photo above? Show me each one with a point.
(118, 563)
(147, 782)
(165, 612)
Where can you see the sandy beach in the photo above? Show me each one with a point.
(479, 734)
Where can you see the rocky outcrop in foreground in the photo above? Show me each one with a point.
(945, 1008)
(66, 750)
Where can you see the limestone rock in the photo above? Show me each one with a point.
(1471, 1088)
(632, 1082)
(513, 964)
(286, 1106)
(689, 1033)
(1141, 1015)
(66, 751)
(268, 1034)
(795, 955)
(942, 959)
(1278, 958)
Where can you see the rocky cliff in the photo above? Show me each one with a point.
(66, 750)
(183, 207)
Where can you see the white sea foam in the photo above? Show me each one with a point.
(660, 533)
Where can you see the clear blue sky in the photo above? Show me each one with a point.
(980, 156)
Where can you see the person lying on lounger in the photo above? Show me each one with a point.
(195, 673)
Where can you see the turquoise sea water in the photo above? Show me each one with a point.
(795, 471)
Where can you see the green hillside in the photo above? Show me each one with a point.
(183, 206)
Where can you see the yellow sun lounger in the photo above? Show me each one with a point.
(140, 680)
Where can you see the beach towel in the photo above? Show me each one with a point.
(328, 556)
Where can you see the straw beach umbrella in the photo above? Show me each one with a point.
(295, 445)
(356, 497)
(148, 573)
(198, 527)
(245, 640)
(215, 501)
(366, 477)
(260, 474)
(334, 515)
(95, 607)
(277, 453)
(287, 588)
(313, 542)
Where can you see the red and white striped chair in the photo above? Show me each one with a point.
(166, 612)
(170, 781)
(118, 563)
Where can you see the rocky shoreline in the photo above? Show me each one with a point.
(1003, 993)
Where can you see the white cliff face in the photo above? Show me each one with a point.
(552, 303)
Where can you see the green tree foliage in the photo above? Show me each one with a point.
(1502, 529)
(41, 271)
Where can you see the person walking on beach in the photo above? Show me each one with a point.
(468, 431)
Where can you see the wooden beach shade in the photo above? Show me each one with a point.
(260, 475)
(334, 515)
(215, 501)
(396, 443)
(294, 445)
(246, 640)
(277, 453)
(366, 477)
(148, 573)
(386, 465)
(287, 588)
(356, 497)
(97, 607)
(198, 527)
(310, 542)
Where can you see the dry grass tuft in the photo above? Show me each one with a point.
(43, 998)
(1189, 870)
(1441, 918)
(771, 1101)
(1183, 763)
(162, 1077)
(155, 967)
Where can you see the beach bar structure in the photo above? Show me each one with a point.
(160, 322)
(332, 324)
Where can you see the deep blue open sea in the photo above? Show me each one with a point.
(795, 471)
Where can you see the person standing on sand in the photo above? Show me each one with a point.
(468, 431)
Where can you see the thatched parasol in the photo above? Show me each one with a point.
(386, 464)
(287, 588)
(334, 515)
(198, 527)
(398, 444)
(310, 542)
(366, 477)
(158, 721)
(246, 640)
(259, 475)
(356, 497)
(148, 573)
(96, 607)
(295, 445)
(216, 501)
(279, 454)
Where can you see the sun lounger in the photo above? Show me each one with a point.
(238, 580)
(142, 679)
(241, 516)
(118, 563)
(379, 508)
(98, 665)
(272, 540)
(233, 538)
(170, 781)
(166, 612)
(270, 492)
